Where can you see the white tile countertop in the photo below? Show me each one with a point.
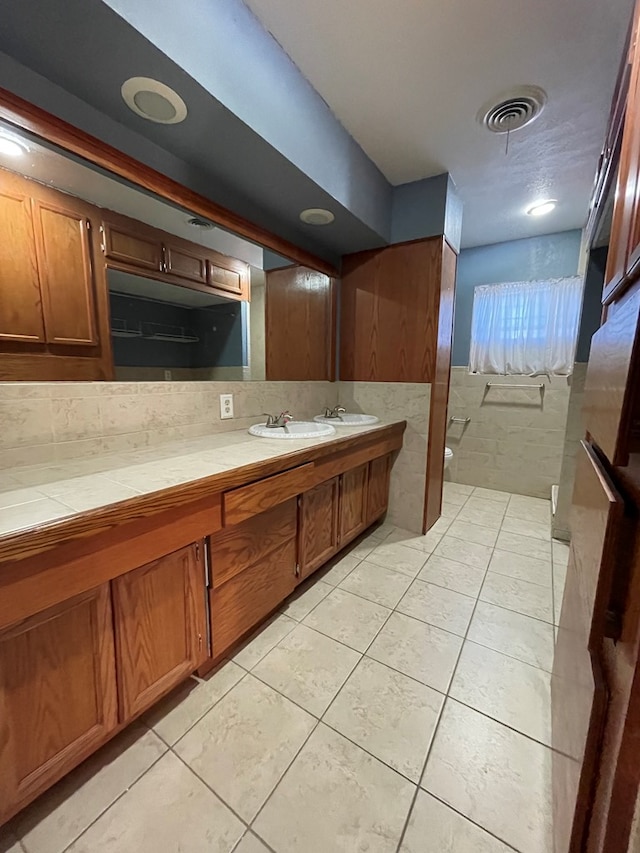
(35, 495)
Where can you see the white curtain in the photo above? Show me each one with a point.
(526, 328)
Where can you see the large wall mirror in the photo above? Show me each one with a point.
(101, 279)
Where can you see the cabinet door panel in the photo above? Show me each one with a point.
(318, 526)
(132, 248)
(64, 260)
(240, 604)
(353, 503)
(226, 279)
(611, 382)
(187, 264)
(20, 300)
(578, 690)
(57, 693)
(378, 487)
(159, 612)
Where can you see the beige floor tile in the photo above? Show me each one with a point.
(441, 526)
(449, 509)
(9, 843)
(265, 639)
(377, 583)
(523, 597)
(390, 715)
(525, 545)
(470, 532)
(308, 667)
(451, 494)
(468, 553)
(438, 606)
(339, 569)
(304, 600)
(527, 527)
(498, 778)
(477, 502)
(417, 649)
(348, 618)
(399, 557)
(251, 844)
(523, 568)
(175, 715)
(64, 812)
(522, 637)
(244, 744)
(485, 518)
(363, 548)
(492, 495)
(529, 509)
(425, 543)
(560, 553)
(446, 831)
(452, 575)
(514, 693)
(336, 797)
(169, 809)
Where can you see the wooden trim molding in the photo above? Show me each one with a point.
(34, 119)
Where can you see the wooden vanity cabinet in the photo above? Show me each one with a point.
(160, 623)
(58, 698)
(353, 503)
(319, 535)
(378, 487)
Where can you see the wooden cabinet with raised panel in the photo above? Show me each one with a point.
(131, 244)
(353, 503)
(378, 487)
(186, 262)
(57, 694)
(318, 525)
(160, 621)
(229, 275)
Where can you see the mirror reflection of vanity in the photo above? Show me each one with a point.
(103, 280)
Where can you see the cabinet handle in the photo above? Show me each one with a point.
(297, 572)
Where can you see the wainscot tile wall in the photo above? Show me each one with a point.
(401, 400)
(575, 433)
(55, 421)
(515, 440)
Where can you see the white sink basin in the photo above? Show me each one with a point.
(294, 429)
(348, 420)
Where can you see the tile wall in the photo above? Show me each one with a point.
(47, 422)
(574, 433)
(515, 440)
(399, 400)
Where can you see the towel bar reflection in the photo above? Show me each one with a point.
(540, 387)
(464, 421)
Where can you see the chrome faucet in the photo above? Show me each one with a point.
(280, 420)
(335, 412)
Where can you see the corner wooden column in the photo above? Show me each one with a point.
(396, 326)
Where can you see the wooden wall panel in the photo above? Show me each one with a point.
(440, 390)
(299, 324)
(389, 313)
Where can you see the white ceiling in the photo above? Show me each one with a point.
(407, 77)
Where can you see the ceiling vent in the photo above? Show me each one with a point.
(513, 110)
(200, 223)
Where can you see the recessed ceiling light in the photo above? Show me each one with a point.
(11, 147)
(153, 100)
(317, 216)
(542, 207)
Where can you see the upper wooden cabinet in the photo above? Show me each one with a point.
(57, 694)
(132, 246)
(159, 615)
(623, 260)
(299, 325)
(21, 317)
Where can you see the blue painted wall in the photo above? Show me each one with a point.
(549, 256)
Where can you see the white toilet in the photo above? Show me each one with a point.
(448, 456)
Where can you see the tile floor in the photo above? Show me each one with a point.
(400, 702)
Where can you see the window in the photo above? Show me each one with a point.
(526, 327)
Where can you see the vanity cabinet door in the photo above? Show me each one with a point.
(57, 694)
(160, 620)
(318, 525)
(353, 503)
(66, 274)
(21, 301)
(378, 487)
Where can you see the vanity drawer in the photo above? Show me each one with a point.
(235, 549)
(247, 501)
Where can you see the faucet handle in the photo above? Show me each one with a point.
(286, 416)
(270, 418)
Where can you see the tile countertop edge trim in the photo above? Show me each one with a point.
(32, 541)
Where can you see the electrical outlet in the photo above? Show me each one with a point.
(226, 406)
(167, 376)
